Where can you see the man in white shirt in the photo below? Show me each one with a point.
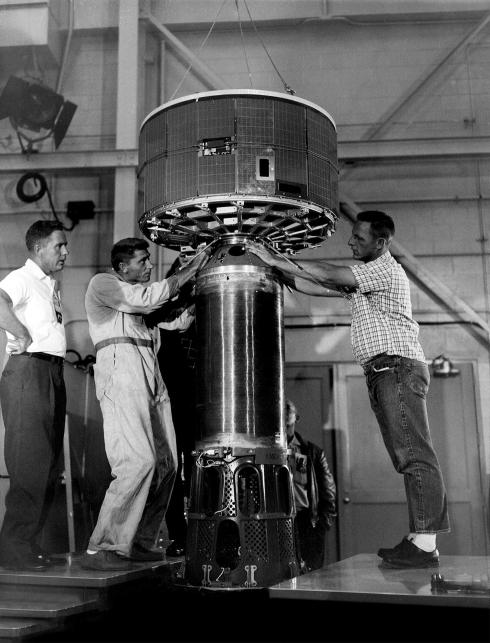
(32, 394)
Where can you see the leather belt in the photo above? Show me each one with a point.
(123, 340)
(55, 359)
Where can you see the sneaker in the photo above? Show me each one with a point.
(175, 549)
(406, 555)
(104, 561)
(143, 554)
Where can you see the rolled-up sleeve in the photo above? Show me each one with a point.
(130, 298)
(181, 323)
(372, 276)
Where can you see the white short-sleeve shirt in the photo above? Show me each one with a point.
(37, 305)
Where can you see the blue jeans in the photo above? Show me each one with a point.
(397, 390)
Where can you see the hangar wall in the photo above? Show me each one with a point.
(406, 83)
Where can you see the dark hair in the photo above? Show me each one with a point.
(41, 230)
(382, 224)
(123, 250)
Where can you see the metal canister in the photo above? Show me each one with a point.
(239, 312)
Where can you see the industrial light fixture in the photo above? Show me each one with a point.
(35, 107)
(443, 367)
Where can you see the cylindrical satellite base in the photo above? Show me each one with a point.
(240, 521)
(241, 509)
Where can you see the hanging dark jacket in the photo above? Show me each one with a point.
(321, 488)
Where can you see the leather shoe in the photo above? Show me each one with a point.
(104, 560)
(407, 555)
(386, 551)
(29, 563)
(46, 558)
(143, 554)
(175, 549)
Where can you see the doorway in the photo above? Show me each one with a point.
(309, 386)
(333, 403)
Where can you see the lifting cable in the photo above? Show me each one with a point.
(287, 88)
(243, 44)
(200, 48)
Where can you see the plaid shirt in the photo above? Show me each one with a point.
(382, 312)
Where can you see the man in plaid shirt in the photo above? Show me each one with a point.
(385, 342)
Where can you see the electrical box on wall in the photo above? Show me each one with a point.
(77, 210)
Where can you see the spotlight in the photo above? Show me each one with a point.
(443, 367)
(35, 107)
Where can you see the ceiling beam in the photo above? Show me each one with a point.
(414, 149)
(186, 14)
(348, 151)
(60, 161)
(387, 119)
(198, 67)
